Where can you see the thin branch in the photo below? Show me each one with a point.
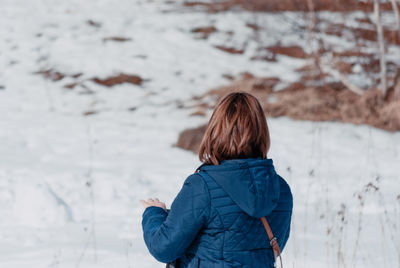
(329, 68)
(349, 85)
(397, 88)
(314, 36)
(381, 43)
(397, 15)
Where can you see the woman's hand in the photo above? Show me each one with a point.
(153, 203)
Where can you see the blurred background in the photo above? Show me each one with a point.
(104, 103)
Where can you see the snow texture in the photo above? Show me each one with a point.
(70, 184)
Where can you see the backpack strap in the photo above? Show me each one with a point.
(272, 241)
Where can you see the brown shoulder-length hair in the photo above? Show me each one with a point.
(237, 129)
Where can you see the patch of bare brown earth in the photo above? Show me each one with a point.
(190, 139)
(391, 35)
(54, 75)
(286, 5)
(204, 32)
(51, 74)
(291, 51)
(230, 50)
(332, 102)
(117, 39)
(119, 79)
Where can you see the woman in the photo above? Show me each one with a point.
(215, 219)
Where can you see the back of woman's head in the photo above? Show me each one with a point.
(237, 129)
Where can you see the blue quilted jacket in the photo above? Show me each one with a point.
(215, 219)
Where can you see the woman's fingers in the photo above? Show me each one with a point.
(144, 203)
(153, 202)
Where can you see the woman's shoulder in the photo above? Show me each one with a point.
(195, 179)
(283, 184)
(194, 195)
(196, 183)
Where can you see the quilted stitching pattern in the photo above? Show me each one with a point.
(207, 228)
(243, 233)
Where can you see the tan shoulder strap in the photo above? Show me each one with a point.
(272, 241)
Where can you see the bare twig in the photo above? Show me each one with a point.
(311, 9)
(330, 69)
(381, 43)
(396, 84)
(397, 15)
(359, 228)
(89, 184)
(349, 85)
(314, 36)
(397, 88)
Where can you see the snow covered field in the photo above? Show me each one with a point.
(70, 183)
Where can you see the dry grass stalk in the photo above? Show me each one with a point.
(381, 43)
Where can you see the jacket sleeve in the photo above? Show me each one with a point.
(168, 235)
(287, 233)
(288, 218)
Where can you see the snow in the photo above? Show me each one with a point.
(70, 184)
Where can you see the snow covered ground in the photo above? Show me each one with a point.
(70, 183)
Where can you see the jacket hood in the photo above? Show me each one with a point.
(252, 183)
